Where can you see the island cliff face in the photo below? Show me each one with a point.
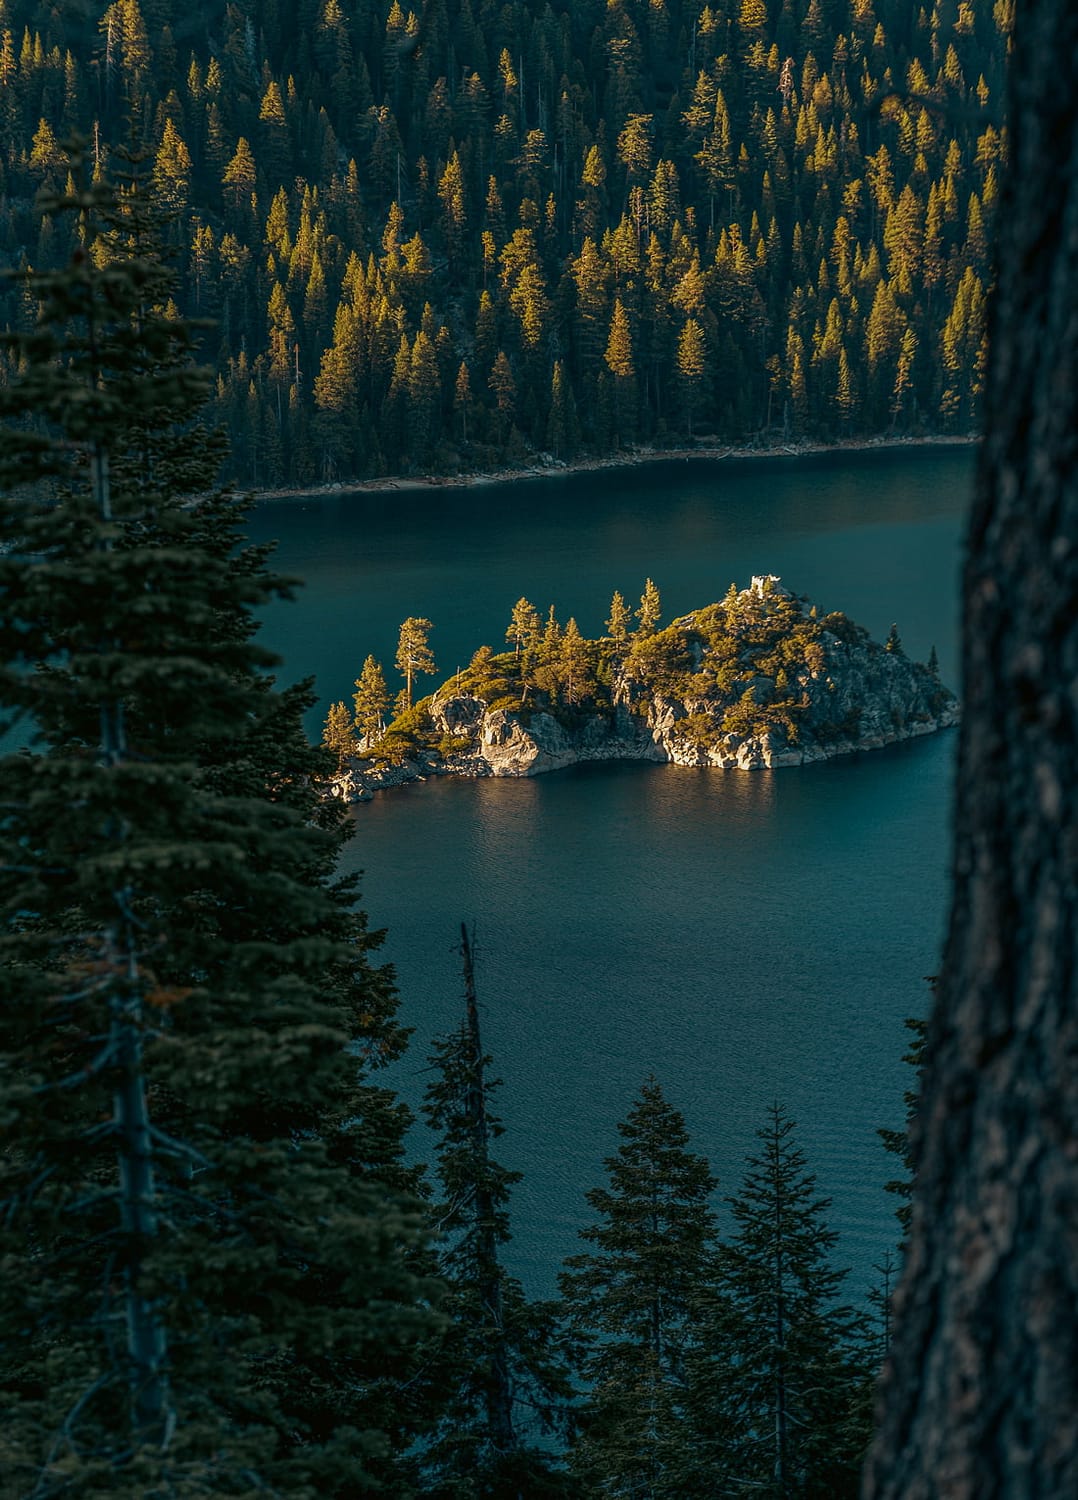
(756, 681)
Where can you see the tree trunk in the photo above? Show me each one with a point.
(981, 1390)
(499, 1387)
(147, 1345)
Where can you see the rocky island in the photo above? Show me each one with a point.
(760, 679)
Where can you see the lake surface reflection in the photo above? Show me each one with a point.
(744, 936)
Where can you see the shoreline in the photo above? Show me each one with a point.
(355, 786)
(631, 458)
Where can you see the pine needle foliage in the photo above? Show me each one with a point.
(778, 1382)
(898, 1142)
(210, 1254)
(632, 1300)
(510, 1395)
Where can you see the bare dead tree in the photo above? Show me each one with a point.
(980, 1394)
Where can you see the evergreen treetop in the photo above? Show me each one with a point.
(501, 1356)
(778, 1379)
(633, 1299)
(202, 1186)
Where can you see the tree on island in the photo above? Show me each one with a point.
(574, 662)
(339, 733)
(620, 621)
(524, 626)
(550, 644)
(209, 1260)
(414, 655)
(500, 1356)
(633, 1300)
(980, 1391)
(370, 701)
(650, 611)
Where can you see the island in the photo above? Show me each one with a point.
(758, 680)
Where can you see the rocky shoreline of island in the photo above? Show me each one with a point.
(356, 785)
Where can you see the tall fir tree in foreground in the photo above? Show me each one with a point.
(510, 1393)
(633, 1301)
(210, 1249)
(778, 1384)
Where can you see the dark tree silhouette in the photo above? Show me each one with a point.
(980, 1394)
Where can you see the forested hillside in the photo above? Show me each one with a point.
(437, 239)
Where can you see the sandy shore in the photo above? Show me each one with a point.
(555, 469)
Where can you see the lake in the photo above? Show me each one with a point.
(743, 936)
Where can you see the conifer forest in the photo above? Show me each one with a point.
(443, 239)
(256, 244)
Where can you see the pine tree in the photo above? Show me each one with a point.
(172, 170)
(619, 361)
(547, 650)
(563, 429)
(634, 146)
(240, 176)
(903, 382)
(650, 611)
(273, 133)
(632, 1300)
(776, 1389)
(590, 276)
(451, 192)
(414, 655)
(691, 357)
(462, 398)
(524, 626)
(620, 621)
(501, 1354)
(45, 152)
(575, 662)
(898, 1142)
(503, 385)
(619, 348)
(183, 1008)
(338, 733)
(424, 398)
(370, 701)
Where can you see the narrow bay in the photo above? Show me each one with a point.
(744, 936)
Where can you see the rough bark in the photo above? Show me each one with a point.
(981, 1390)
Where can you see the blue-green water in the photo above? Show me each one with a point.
(743, 936)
